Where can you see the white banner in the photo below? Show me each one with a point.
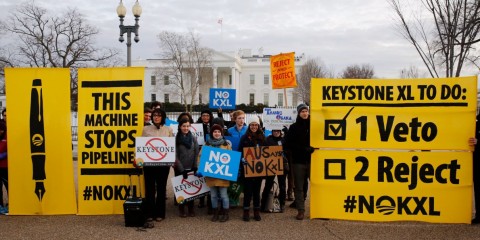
(196, 129)
(190, 188)
(155, 151)
(277, 118)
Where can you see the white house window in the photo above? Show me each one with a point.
(252, 79)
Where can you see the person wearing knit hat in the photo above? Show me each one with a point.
(253, 119)
(301, 106)
(216, 127)
(254, 137)
(218, 187)
(297, 141)
(206, 119)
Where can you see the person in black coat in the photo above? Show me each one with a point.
(206, 119)
(254, 137)
(297, 141)
(276, 139)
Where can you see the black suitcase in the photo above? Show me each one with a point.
(134, 208)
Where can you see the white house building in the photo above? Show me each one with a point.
(248, 74)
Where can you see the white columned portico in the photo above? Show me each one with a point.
(235, 84)
(215, 77)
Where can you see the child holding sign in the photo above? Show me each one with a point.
(254, 137)
(218, 187)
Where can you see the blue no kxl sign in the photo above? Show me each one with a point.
(219, 163)
(222, 98)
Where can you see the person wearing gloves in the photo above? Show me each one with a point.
(297, 141)
(254, 137)
(156, 176)
(276, 139)
(218, 187)
(186, 155)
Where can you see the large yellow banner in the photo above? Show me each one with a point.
(395, 114)
(39, 142)
(282, 67)
(392, 186)
(110, 107)
(393, 146)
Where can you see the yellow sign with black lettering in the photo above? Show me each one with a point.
(393, 150)
(392, 186)
(39, 142)
(110, 107)
(394, 114)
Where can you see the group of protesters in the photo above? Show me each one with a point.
(297, 156)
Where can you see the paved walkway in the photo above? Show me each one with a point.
(272, 226)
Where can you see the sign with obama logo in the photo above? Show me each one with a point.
(393, 149)
(219, 163)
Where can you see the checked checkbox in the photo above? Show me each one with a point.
(336, 129)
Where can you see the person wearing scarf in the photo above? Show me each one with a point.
(218, 187)
(186, 154)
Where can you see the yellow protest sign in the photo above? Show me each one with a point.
(282, 67)
(393, 149)
(392, 186)
(263, 161)
(399, 114)
(39, 142)
(110, 107)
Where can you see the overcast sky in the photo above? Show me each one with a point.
(338, 32)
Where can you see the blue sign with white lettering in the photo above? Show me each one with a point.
(219, 163)
(222, 98)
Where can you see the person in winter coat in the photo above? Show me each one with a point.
(254, 137)
(297, 141)
(218, 187)
(156, 176)
(3, 165)
(276, 139)
(239, 129)
(206, 119)
(186, 154)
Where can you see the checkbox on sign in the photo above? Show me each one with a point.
(335, 169)
(335, 129)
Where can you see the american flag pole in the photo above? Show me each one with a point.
(220, 21)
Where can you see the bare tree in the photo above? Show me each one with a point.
(358, 72)
(313, 68)
(63, 40)
(445, 43)
(187, 61)
(411, 72)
